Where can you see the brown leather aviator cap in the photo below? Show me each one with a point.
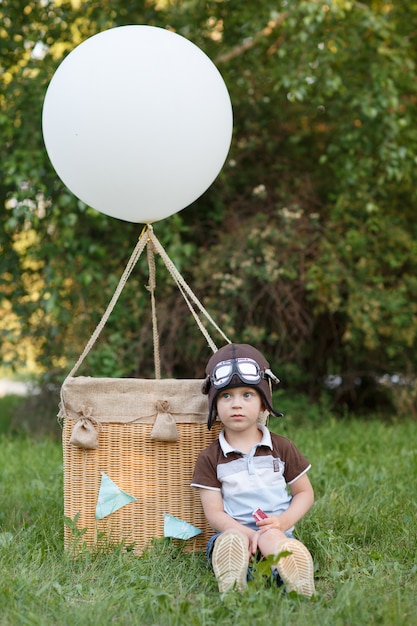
(238, 365)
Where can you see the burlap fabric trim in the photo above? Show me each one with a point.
(127, 400)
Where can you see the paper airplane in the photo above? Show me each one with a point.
(178, 529)
(110, 497)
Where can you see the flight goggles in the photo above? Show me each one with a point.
(246, 369)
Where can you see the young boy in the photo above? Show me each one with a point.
(249, 468)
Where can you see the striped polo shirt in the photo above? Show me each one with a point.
(248, 481)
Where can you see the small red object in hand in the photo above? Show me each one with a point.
(259, 514)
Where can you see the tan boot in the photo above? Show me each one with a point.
(296, 569)
(230, 561)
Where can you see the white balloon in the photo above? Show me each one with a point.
(137, 122)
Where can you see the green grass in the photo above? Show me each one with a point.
(362, 532)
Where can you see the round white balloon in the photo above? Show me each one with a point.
(137, 122)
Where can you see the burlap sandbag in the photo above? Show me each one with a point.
(161, 402)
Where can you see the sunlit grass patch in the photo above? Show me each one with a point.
(361, 532)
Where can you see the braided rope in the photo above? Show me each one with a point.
(148, 238)
(181, 283)
(128, 270)
(151, 287)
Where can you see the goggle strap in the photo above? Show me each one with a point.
(272, 376)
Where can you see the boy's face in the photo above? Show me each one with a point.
(239, 408)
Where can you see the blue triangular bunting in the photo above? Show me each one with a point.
(110, 497)
(178, 528)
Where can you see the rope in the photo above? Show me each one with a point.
(148, 238)
(151, 288)
(128, 270)
(186, 288)
(202, 328)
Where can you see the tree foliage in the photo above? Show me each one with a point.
(304, 245)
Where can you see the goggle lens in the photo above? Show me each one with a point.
(222, 374)
(247, 369)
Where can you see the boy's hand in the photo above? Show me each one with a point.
(302, 501)
(273, 521)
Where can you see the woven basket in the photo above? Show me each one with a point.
(124, 412)
(156, 473)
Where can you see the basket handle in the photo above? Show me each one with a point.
(145, 239)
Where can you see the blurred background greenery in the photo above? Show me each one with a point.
(305, 245)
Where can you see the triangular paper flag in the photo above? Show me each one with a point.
(110, 497)
(178, 529)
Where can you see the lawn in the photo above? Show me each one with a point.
(362, 533)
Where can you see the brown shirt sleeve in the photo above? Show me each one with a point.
(205, 470)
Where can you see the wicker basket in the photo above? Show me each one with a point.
(156, 473)
(124, 412)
